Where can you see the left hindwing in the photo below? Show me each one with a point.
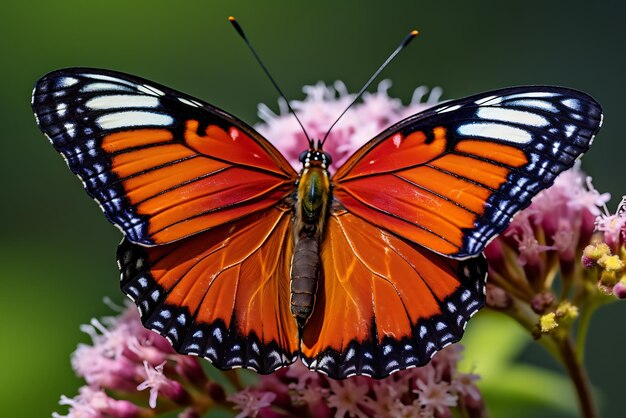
(453, 177)
(162, 165)
(221, 294)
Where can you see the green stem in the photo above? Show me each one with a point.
(578, 375)
(583, 327)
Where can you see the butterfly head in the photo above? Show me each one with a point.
(315, 157)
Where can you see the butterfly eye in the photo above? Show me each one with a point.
(329, 159)
(303, 156)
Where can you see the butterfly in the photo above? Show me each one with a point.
(233, 255)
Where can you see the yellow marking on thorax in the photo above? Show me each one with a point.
(313, 199)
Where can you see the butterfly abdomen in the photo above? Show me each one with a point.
(311, 211)
(304, 275)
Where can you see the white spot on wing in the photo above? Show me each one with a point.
(110, 78)
(133, 118)
(495, 131)
(70, 129)
(573, 104)
(67, 81)
(535, 104)
(534, 94)
(517, 116)
(91, 87)
(61, 109)
(187, 102)
(150, 90)
(449, 109)
(397, 140)
(489, 100)
(116, 101)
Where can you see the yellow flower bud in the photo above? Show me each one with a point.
(548, 323)
(596, 251)
(567, 311)
(611, 263)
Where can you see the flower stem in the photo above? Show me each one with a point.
(583, 326)
(578, 375)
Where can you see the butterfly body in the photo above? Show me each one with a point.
(311, 211)
(225, 242)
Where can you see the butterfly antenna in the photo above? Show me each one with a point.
(239, 30)
(408, 38)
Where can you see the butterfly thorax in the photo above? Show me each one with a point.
(311, 210)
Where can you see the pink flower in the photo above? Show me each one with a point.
(613, 226)
(529, 248)
(619, 290)
(465, 384)
(347, 396)
(386, 401)
(435, 394)
(321, 107)
(250, 403)
(92, 403)
(157, 382)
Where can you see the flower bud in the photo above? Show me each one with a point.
(547, 323)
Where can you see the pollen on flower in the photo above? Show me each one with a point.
(593, 252)
(547, 323)
(566, 311)
(611, 263)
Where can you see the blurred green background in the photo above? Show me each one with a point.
(58, 252)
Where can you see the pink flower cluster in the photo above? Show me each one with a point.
(144, 373)
(321, 107)
(545, 238)
(125, 358)
(435, 390)
(613, 226)
(605, 258)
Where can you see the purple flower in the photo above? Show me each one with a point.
(251, 403)
(434, 394)
(95, 403)
(613, 226)
(347, 397)
(157, 382)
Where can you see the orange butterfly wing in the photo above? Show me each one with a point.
(199, 196)
(162, 165)
(385, 304)
(445, 181)
(221, 294)
(451, 178)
